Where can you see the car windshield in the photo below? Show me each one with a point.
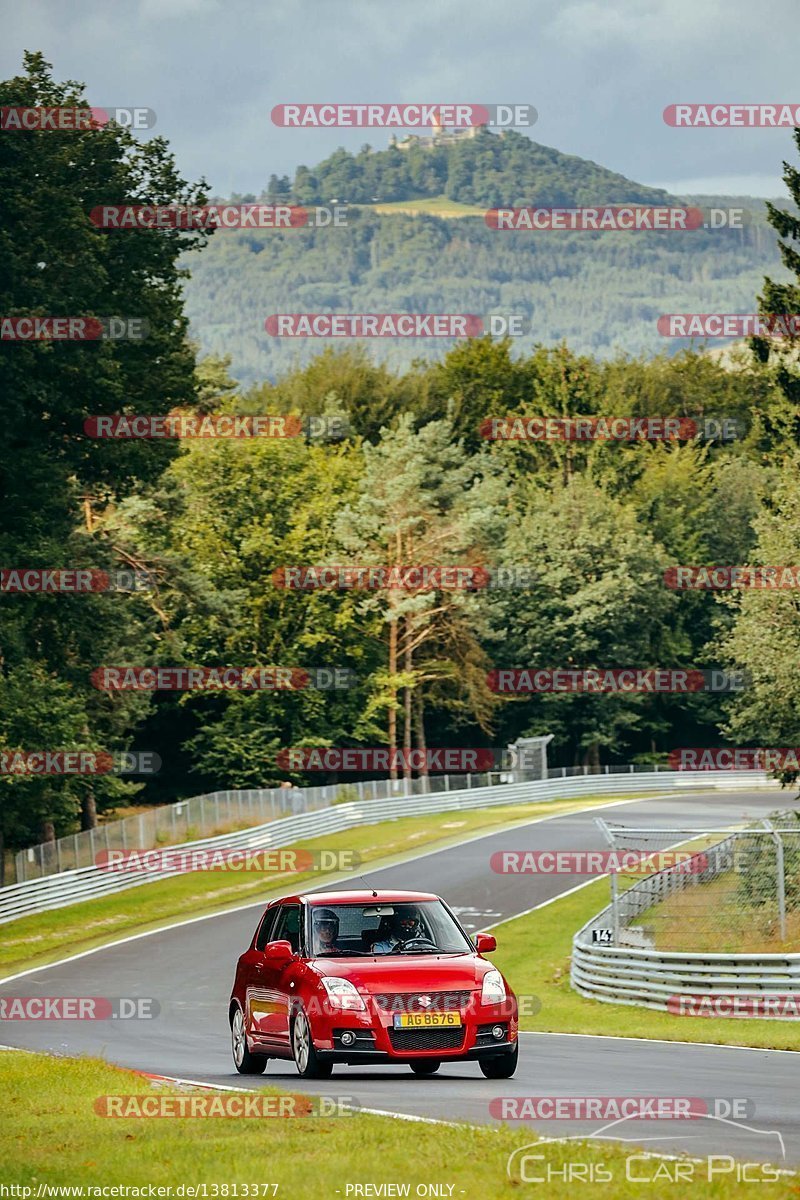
(424, 927)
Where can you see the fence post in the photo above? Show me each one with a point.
(779, 877)
(781, 884)
(615, 907)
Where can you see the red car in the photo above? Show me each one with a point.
(369, 977)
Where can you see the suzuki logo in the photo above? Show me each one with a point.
(424, 1001)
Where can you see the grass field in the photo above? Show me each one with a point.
(52, 1136)
(44, 937)
(435, 206)
(723, 924)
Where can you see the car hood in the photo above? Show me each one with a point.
(408, 972)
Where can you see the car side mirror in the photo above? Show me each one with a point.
(485, 943)
(279, 951)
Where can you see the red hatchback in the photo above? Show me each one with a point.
(369, 977)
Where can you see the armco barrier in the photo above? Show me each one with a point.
(619, 975)
(69, 887)
(649, 978)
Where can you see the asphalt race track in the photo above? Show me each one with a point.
(189, 970)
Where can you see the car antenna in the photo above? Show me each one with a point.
(368, 886)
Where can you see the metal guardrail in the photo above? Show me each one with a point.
(208, 815)
(70, 887)
(650, 978)
(620, 975)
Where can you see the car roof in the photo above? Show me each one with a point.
(363, 897)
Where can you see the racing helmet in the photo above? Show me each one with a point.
(325, 919)
(406, 922)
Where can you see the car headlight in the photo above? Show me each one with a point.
(342, 994)
(494, 990)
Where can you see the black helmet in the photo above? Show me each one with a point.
(406, 922)
(325, 917)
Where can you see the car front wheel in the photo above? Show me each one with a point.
(245, 1062)
(501, 1067)
(305, 1056)
(425, 1066)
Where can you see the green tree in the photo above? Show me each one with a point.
(424, 501)
(55, 482)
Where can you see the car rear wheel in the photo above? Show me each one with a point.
(427, 1066)
(501, 1067)
(245, 1062)
(305, 1056)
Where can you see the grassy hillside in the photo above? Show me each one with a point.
(602, 292)
(402, 250)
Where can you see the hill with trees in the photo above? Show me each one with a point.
(601, 292)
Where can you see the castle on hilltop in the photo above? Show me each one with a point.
(440, 137)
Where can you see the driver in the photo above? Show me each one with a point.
(406, 924)
(325, 927)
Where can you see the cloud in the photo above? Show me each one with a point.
(600, 72)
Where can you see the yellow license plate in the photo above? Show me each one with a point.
(425, 1020)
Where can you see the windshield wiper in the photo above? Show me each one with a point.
(341, 953)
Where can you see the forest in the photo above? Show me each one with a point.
(398, 472)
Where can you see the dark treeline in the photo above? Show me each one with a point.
(412, 481)
(486, 169)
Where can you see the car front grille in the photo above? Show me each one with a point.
(437, 1038)
(400, 1002)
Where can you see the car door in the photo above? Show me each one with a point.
(256, 1002)
(271, 993)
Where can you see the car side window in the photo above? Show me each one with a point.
(265, 928)
(287, 927)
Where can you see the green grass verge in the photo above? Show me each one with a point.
(51, 1135)
(534, 952)
(45, 937)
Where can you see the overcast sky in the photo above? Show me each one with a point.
(599, 72)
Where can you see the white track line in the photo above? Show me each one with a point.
(133, 937)
(413, 858)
